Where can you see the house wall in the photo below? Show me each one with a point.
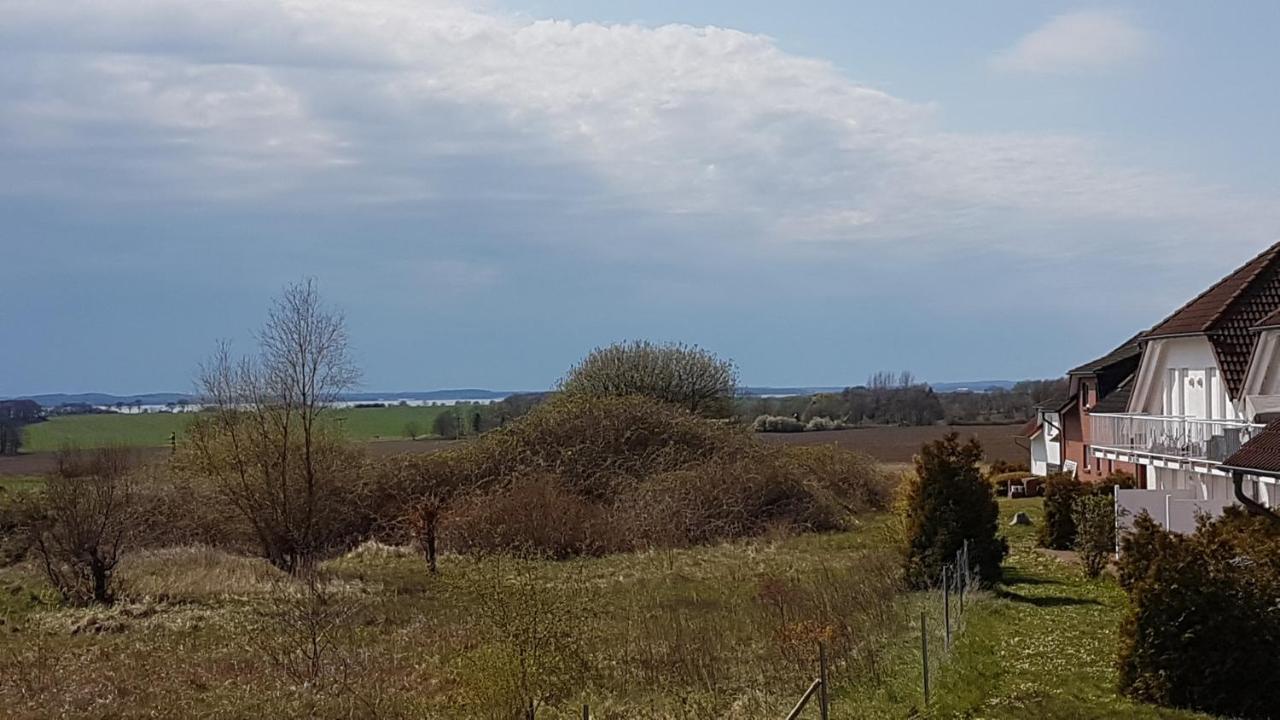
(1077, 442)
(1180, 376)
(1204, 486)
(1046, 445)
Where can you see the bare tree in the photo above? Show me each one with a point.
(684, 375)
(266, 443)
(83, 521)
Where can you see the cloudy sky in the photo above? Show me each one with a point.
(488, 189)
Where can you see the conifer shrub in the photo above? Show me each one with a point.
(1058, 531)
(1204, 621)
(946, 503)
(1095, 520)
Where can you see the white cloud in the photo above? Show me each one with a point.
(1088, 41)
(440, 104)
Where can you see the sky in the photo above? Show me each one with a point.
(487, 190)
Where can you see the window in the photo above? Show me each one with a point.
(1084, 394)
(1088, 458)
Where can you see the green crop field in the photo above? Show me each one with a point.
(154, 429)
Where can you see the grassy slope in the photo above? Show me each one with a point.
(1043, 647)
(153, 430)
(20, 483)
(186, 643)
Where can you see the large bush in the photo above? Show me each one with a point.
(1204, 621)
(777, 424)
(947, 503)
(590, 475)
(1058, 531)
(683, 375)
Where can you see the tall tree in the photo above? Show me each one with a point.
(266, 443)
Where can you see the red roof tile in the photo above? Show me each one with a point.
(1262, 453)
(1229, 313)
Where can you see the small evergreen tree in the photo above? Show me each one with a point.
(1095, 522)
(948, 502)
(1058, 531)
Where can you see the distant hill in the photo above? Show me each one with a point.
(973, 386)
(56, 399)
(50, 400)
(786, 391)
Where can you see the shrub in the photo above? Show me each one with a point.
(1000, 483)
(537, 515)
(1095, 522)
(1120, 479)
(683, 375)
(598, 446)
(1139, 548)
(1203, 623)
(726, 501)
(823, 424)
(446, 425)
(947, 503)
(82, 522)
(777, 424)
(532, 651)
(856, 480)
(1058, 531)
(1004, 467)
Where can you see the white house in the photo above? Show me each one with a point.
(1045, 434)
(1207, 386)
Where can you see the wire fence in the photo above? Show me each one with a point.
(941, 621)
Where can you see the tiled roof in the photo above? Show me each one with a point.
(1270, 321)
(1031, 429)
(1130, 349)
(1262, 453)
(1118, 400)
(1229, 313)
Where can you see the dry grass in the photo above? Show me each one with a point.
(708, 632)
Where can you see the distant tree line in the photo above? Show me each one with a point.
(899, 399)
(14, 414)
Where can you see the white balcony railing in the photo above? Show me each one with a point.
(1173, 437)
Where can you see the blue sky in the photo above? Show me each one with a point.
(817, 190)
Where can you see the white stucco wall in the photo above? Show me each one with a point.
(1180, 376)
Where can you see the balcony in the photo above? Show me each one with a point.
(1171, 437)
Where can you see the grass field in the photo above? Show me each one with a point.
(672, 634)
(1044, 645)
(154, 429)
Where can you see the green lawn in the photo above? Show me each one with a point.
(1042, 647)
(20, 483)
(154, 429)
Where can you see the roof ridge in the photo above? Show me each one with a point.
(1264, 260)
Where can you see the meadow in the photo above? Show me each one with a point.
(716, 631)
(155, 429)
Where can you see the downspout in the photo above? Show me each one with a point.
(1253, 507)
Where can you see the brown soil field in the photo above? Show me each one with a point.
(900, 444)
(43, 462)
(887, 444)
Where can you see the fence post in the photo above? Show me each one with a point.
(824, 706)
(960, 581)
(968, 569)
(924, 655)
(946, 609)
(586, 712)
